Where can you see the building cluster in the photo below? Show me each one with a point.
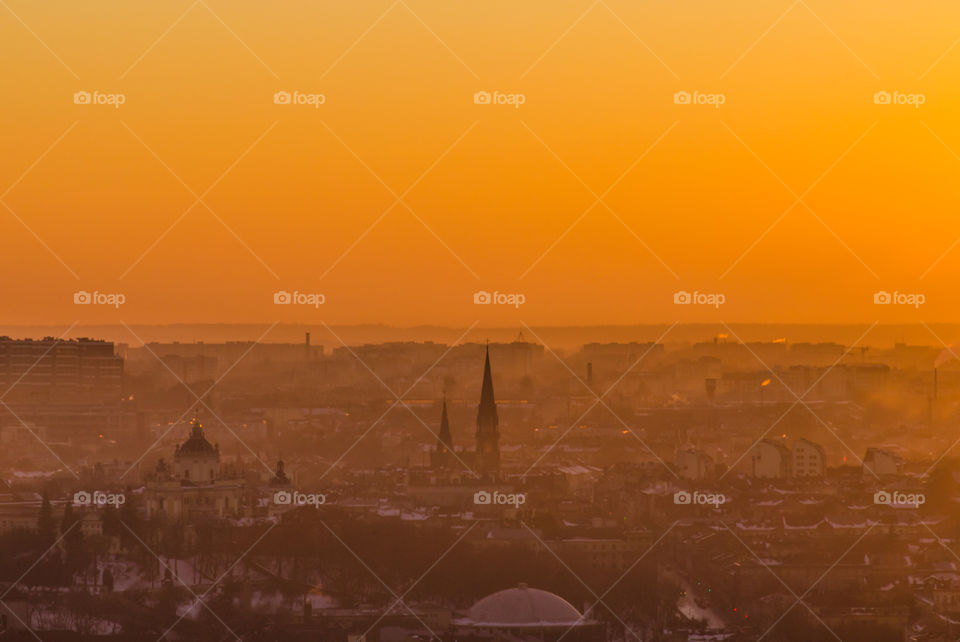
(696, 454)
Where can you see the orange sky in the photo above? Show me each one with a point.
(500, 208)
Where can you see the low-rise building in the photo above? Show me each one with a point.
(881, 462)
(809, 459)
(770, 460)
(694, 464)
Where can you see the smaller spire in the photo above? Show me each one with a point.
(444, 438)
(196, 428)
(443, 451)
(280, 477)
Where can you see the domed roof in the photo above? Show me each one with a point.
(524, 607)
(197, 443)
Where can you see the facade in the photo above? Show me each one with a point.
(770, 460)
(19, 511)
(694, 464)
(809, 459)
(69, 389)
(55, 370)
(946, 597)
(881, 462)
(195, 490)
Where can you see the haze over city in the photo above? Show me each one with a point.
(405, 320)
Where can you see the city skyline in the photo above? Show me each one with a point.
(419, 321)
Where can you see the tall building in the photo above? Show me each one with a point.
(443, 452)
(71, 388)
(488, 430)
(54, 370)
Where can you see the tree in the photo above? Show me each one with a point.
(73, 539)
(107, 579)
(46, 525)
(111, 522)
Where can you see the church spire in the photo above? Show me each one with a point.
(488, 432)
(443, 451)
(488, 405)
(445, 438)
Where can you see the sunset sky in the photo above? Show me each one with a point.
(501, 198)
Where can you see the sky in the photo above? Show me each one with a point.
(785, 190)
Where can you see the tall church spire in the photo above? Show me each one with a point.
(488, 431)
(443, 452)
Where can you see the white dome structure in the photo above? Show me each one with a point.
(524, 606)
(524, 613)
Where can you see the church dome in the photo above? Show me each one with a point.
(197, 443)
(524, 607)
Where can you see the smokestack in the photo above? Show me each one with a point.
(306, 347)
(590, 373)
(934, 383)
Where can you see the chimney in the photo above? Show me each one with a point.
(306, 346)
(932, 401)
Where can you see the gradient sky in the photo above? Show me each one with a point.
(502, 185)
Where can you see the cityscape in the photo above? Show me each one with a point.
(716, 490)
(433, 321)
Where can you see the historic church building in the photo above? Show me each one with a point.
(486, 458)
(195, 488)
